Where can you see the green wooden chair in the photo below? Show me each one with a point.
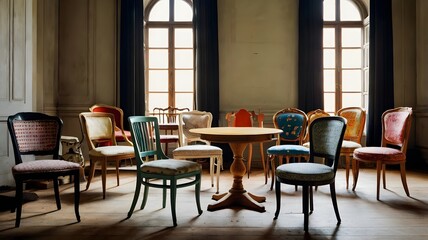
(153, 165)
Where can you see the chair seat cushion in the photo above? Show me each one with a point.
(305, 172)
(44, 166)
(350, 144)
(197, 150)
(111, 151)
(379, 153)
(288, 150)
(170, 167)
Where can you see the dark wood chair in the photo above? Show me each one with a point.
(39, 134)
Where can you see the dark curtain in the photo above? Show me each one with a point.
(310, 84)
(206, 57)
(131, 83)
(381, 71)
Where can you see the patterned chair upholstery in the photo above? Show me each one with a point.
(190, 147)
(39, 134)
(292, 122)
(153, 164)
(325, 141)
(396, 125)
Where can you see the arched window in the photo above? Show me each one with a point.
(345, 54)
(169, 54)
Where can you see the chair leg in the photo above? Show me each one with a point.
(250, 157)
(384, 175)
(403, 178)
(173, 199)
(278, 198)
(262, 155)
(305, 202)
(103, 177)
(272, 169)
(145, 196)
(311, 200)
(356, 170)
(117, 172)
(136, 195)
(164, 193)
(56, 191)
(219, 163)
(348, 166)
(198, 191)
(91, 174)
(77, 194)
(378, 172)
(212, 159)
(18, 201)
(333, 199)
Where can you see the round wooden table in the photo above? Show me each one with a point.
(238, 139)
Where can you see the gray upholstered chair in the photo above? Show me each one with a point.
(325, 142)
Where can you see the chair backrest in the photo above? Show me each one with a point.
(244, 118)
(312, 115)
(34, 133)
(97, 127)
(292, 122)
(326, 139)
(356, 120)
(396, 125)
(191, 120)
(169, 114)
(145, 137)
(117, 112)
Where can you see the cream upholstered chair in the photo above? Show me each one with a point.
(356, 119)
(396, 124)
(96, 127)
(190, 143)
(326, 140)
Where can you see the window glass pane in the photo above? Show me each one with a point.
(351, 58)
(329, 58)
(158, 37)
(351, 80)
(329, 81)
(351, 100)
(182, 12)
(349, 11)
(351, 37)
(184, 38)
(329, 10)
(184, 81)
(158, 80)
(184, 100)
(160, 11)
(158, 100)
(184, 58)
(158, 58)
(329, 102)
(328, 37)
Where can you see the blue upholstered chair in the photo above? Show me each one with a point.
(292, 122)
(325, 142)
(153, 166)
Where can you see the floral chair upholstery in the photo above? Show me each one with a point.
(292, 122)
(396, 124)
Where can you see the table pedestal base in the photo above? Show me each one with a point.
(239, 199)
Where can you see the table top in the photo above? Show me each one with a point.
(237, 134)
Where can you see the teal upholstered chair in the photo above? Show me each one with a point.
(153, 166)
(292, 122)
(325, 142)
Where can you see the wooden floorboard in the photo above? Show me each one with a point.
(396, 216)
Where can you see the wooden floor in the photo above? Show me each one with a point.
(396, 216)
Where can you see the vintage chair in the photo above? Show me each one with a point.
(39, 134)
(120, 133)
(152, 164)
(99, 127)
(292, 122)
(356, 119)
(245, 118)
(190, 143)
(396, 124)
(326, 140)
(167, 119)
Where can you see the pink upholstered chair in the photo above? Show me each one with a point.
(396, 124)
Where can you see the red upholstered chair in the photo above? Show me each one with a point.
(39, 134)
(396, 124)
(120, 133)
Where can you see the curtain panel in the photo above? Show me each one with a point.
(381, 69)
(310, 80)
(205, 23)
